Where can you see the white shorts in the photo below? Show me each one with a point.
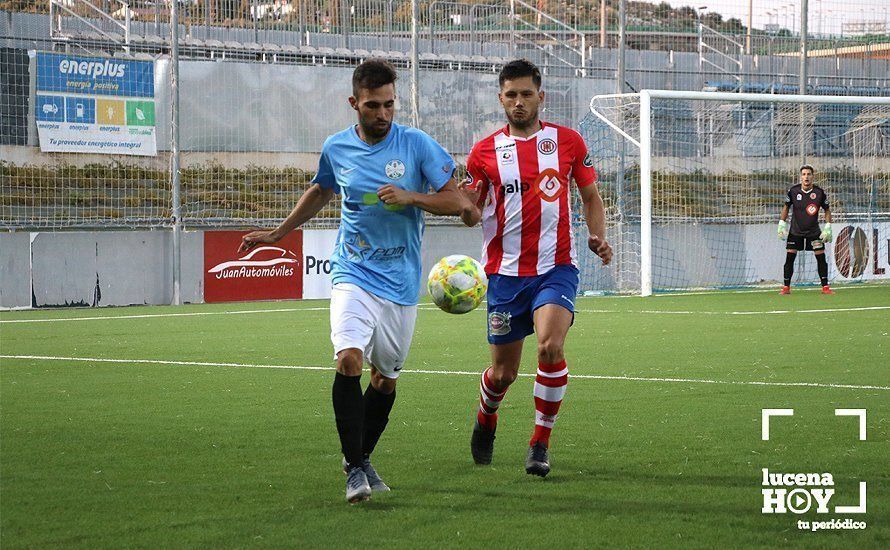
(380, 328)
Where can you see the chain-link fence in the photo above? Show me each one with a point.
(262, 84)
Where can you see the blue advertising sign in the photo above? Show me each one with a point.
(94, 75)
(51, 108)
(81, 110)
(95, 105)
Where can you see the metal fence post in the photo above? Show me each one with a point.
(174, 154)
(415, 78)
(802, 88)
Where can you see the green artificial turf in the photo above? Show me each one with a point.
(126, 453)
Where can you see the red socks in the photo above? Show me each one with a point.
(489, 401)
(550, 387)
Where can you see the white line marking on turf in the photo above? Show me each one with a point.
(433, 308)
(767, 312)
(452, 372)
(192, 314)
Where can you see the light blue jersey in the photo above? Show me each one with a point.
(378, 245)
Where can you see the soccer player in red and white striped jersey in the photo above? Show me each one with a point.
(519, 183)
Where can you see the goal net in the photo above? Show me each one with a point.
(693, 184)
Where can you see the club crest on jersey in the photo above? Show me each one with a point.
(813, 196)
(499, 323)
(395, 169)
(549, 186)
(547, 146)
(812, 209)
(588, 161)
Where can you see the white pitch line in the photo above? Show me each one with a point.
(446, 372)
(192, 314)
(433, 308)
(767, 312)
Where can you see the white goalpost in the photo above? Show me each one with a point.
(693, 183)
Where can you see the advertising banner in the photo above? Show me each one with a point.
(265, 272)
(95, 105)
(318, 245)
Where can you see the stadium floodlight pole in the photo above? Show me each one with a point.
(415, 78)
(645, 194)
(603, 24)
(174, 154)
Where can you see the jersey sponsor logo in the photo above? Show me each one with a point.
(395, 169)
(588, 161)
(499, 323)
(356, 248)
(515, 186)
(547, 146)
(549, 186)
(507, 157)
(812, 209)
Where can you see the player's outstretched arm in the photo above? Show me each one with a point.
(595, 216)
(311, 202)
(447, 201)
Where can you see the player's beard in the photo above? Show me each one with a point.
(375, 129)
(524, 121)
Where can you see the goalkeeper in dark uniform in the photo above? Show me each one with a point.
(804, 201)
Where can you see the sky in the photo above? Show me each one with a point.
(833, 12)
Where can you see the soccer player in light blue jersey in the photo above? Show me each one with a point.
(383, 172)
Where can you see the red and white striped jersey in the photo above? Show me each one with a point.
(525, 198)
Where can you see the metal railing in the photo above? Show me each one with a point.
(69, 7)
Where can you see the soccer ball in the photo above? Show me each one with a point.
(457, 284)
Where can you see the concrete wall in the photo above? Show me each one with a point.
(15, 268)
(99, 268)
(103, 268)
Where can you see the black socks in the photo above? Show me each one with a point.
(377, 407)
(822, 267)
(789, 267)
(349, 413)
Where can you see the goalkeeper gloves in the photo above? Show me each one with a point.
(783, 229)
(826, 233)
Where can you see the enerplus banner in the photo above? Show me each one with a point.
(95, 105)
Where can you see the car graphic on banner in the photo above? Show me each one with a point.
(266, 272)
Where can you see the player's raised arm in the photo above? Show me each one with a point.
(311, 202)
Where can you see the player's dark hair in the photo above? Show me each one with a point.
(807, 167)
(520, 68)
(373, 74)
